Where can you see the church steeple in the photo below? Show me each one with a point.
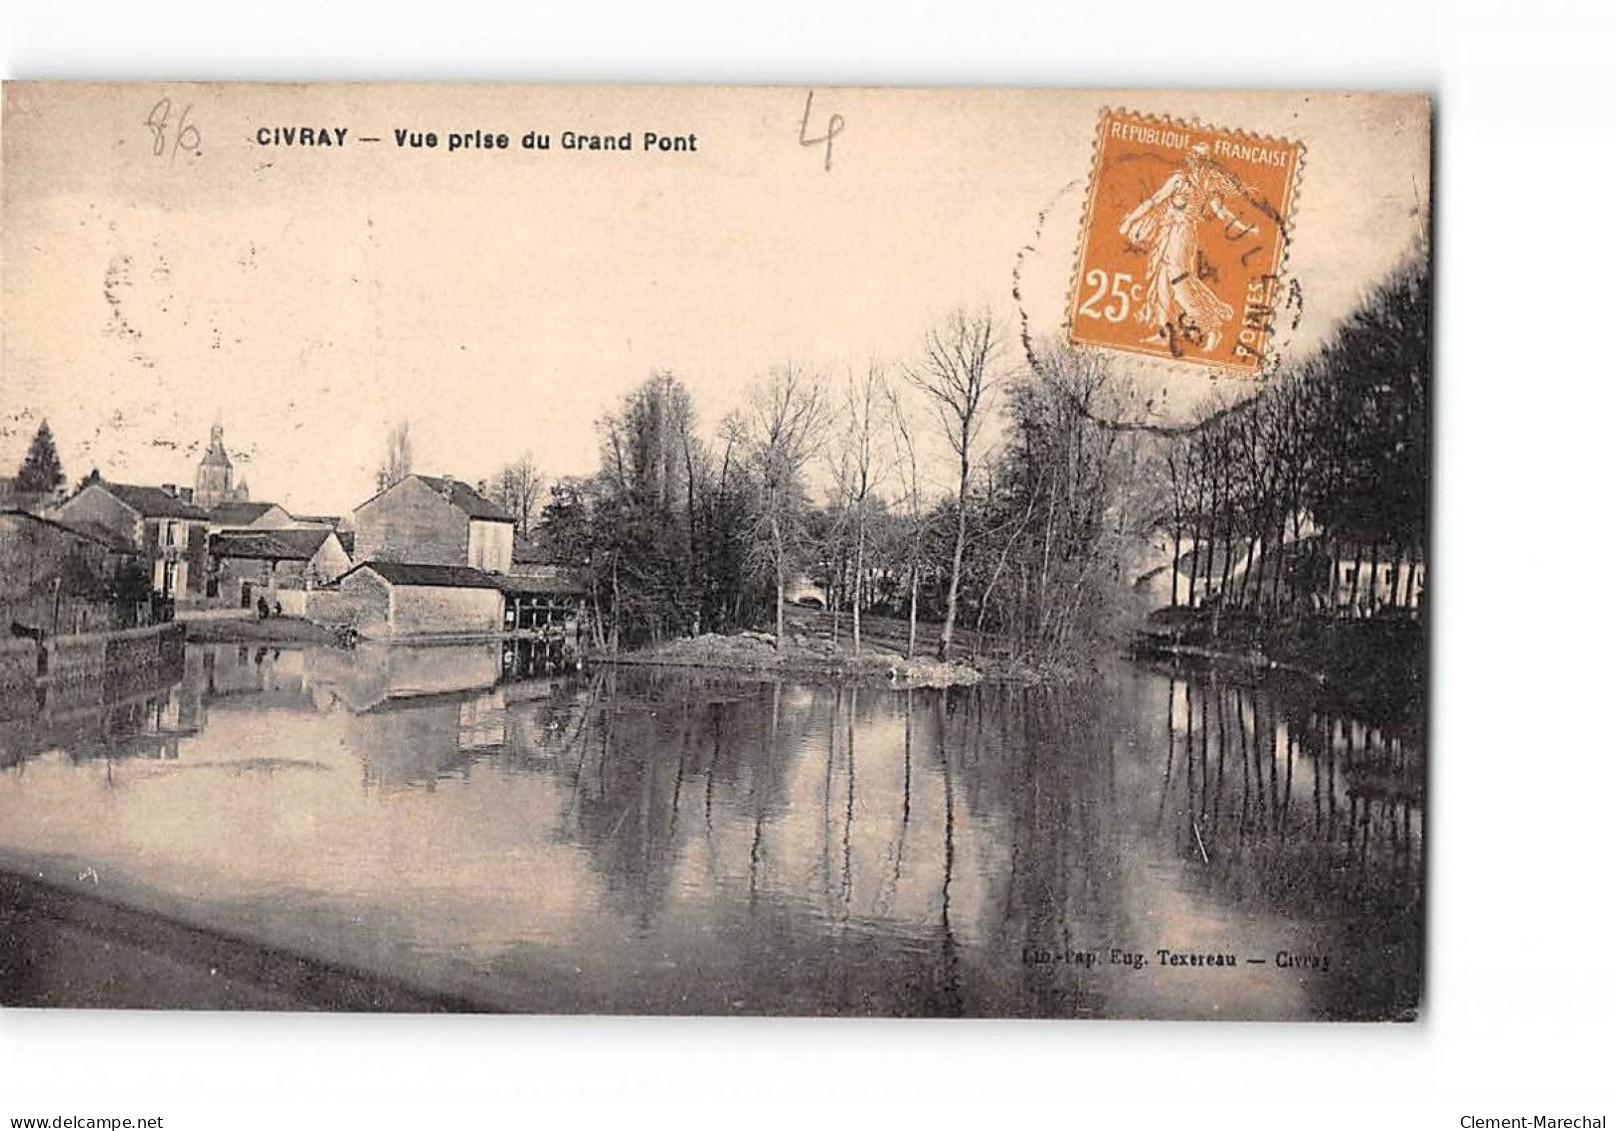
(214, 473)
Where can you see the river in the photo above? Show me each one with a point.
(1154, 843)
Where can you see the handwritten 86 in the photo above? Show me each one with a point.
(1120, 288)
(186, 136)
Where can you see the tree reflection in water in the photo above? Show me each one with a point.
(667, 841)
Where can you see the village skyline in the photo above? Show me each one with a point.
(501, 307)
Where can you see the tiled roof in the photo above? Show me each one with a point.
(239, 514)
(549, 584)
(273, 545)
(151, 502)
(457, 493)
(442, 576)
(468, 500)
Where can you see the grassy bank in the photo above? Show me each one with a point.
(1374, 667)
(755, 652)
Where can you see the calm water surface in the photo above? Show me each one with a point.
(655, 841)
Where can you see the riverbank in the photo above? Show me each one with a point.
(1374, 668)
(85, 658)
(755, 652)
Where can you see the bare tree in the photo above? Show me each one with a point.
(400, 459)
(907, 463)
(959, 371)
(518, 486)
(860, 466)
(1177, 459)
(782, 426)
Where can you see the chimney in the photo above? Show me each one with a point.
(448, 487)
(185, 493)
(171, 490)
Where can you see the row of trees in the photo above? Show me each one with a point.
(1026, 545)
(1010, 498)
(1328, 463)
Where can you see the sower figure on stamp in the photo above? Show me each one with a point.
(1177, 303)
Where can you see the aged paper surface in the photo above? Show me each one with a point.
(714, 550)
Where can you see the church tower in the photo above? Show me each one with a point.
(214, 475)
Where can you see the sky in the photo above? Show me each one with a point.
(309, 298)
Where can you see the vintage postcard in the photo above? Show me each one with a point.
(686, 550)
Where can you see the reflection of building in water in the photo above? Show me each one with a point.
(373, 673)
(413, 741)
(482, 722)
(255, 675)
(418, 712)
(143, 713)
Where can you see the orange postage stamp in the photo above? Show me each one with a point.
(1183, 241)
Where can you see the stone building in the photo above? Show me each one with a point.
(58, 579)
(172, 532)
(278, 565)
(385, 599)
(433, 520)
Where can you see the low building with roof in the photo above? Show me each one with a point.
(278, 565)
(413, 601)
(389, 600)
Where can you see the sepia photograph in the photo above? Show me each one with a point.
(791, 551)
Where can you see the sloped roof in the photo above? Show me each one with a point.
(86, 531)
(558, 583)
(272, 545)
(468, 500)
(458, 494)
(441, 576)
(112, 539)
(239, 514)
(150, 502)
